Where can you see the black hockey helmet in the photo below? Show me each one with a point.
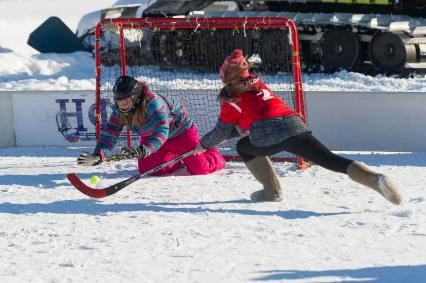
(128, 87)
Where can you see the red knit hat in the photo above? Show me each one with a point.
(234, 66)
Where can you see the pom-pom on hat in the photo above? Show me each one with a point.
(234, 68)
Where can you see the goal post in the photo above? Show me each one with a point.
(180, 58)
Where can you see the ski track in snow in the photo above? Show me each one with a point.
(184, 228)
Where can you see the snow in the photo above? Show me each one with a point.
(182, 228)
(23, 68)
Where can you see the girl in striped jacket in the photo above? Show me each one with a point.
(165, 130)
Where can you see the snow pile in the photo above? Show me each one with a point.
(47, 71)
(347, 81)
(75, 71)
(23, 68)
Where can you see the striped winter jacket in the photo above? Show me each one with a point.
(166, 118)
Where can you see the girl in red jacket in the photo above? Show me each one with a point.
(269, 126)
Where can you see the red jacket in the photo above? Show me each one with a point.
(253, 105)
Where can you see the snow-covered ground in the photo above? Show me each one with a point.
(183, 228)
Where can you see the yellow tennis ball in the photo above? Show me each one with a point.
(94, 180)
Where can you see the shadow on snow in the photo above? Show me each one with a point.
(371, 158)
(52, 151)
(380, 274)
(391, 159)
(93, 207)
(52, 181)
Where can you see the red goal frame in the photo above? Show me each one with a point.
(198, 23)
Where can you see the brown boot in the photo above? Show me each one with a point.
(262, 170)
(360, 173)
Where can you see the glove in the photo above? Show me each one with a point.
(87, 159)
(137, 152)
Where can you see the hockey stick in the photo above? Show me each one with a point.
(100, 193)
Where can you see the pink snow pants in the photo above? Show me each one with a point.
(201, 164)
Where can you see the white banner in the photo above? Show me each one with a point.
(35, 117)
(342, 121)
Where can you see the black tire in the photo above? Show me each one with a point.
(339, 49)
(275, 51)
(209, 49)
(169, 48)
(387, 52)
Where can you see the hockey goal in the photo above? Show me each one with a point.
(180, 58)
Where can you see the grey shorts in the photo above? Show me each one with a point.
(271, 131)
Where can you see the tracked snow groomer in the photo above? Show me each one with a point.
(367, 36)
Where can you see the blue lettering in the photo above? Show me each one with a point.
(105, 104)
(78, 114)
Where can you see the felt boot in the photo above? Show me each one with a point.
(382, 184)
(262, 170)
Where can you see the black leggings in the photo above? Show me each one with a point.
(304, 145)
